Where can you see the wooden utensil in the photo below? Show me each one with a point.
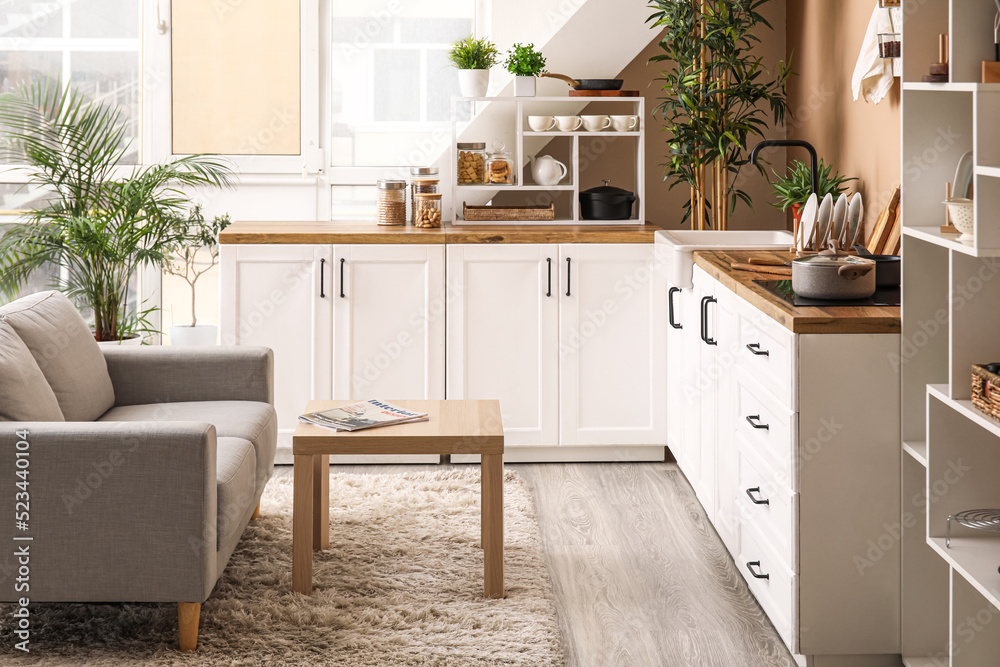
(783, 271)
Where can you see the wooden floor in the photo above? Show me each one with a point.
(640, 576)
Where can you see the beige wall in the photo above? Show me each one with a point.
(858, 138)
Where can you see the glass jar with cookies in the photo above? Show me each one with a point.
(471, 167)
(499, 166)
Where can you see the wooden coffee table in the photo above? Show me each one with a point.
(454, 427)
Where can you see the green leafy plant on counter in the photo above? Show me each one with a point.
(101, 222)
(525, 60)
(718, 96)
(472, 53)
(796, 186)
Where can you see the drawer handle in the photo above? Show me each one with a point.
(757, 501)
(670, 310)
(757, 575)
(705, 301)
(754, 421)
(322, 273)
(342, 278)
(755, 349)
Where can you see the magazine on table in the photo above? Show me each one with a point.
(363, 414)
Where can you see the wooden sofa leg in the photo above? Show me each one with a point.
(256, 512)
(188, 616)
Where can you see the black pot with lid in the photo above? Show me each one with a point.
(606, 202)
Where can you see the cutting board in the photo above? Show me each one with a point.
(604, 93)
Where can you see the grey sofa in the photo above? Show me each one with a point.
(144, 464)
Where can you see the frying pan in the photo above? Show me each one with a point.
(587, 84)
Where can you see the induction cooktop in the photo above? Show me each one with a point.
(783, 289)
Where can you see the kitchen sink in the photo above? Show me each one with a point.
(676, 247)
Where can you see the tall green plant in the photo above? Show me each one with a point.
(719, 94)
(103, 227)
(472, 53)
(796, 186)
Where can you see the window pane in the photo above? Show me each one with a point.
(23, 67)
(117, 19)
(30, 19)
(391, 83)
(18, 197)
(110, 79)
(38, 281)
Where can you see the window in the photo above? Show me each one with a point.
(391, 84)
(93, 43)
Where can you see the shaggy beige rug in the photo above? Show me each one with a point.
(400, 585)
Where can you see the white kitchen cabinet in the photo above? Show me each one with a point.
(281, 297)
(612, 340)
(389, 321)
(503, 323)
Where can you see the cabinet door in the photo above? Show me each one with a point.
(689, 392)
(281, 297)
(612, 338)
(704, 384)
(679, 328)
(728, 490)
(503, 335)
(389, 321)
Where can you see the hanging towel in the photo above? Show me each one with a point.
(873, 75)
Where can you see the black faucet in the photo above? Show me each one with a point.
(791, 142)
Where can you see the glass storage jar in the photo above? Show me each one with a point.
(427, 213)
(471, 166)
(499, 166)
(423, 180)
(391, 208)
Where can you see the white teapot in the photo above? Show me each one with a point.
(546, 170)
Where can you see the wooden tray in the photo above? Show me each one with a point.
(986, 391)
(604, 93)
(494, 213)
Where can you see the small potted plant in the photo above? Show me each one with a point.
(793, 189)
(525, 63)
(473, 58)
(193, 257)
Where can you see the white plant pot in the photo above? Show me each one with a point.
(524, 86)
(201, 335)
(136, 341)
(473, 82)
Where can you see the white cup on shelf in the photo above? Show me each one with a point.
(596, 123)
(568, 123)
(624, 123)
(541, 123)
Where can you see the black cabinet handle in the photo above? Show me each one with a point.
(757, 575)
(754, 421)
(322, 277)
(704, 320)
(549, 260)
(670, 307)
(342, 260)
(757, 501)
(755, 348)
(568, 279)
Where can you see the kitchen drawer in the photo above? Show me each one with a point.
(766, 425)
(773, 584)
(767, 504)
(767, 351)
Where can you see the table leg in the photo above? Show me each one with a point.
(302, 523)
(321, 503)
(492, 525)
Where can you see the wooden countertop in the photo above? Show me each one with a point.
(366, 233)
(809, 319)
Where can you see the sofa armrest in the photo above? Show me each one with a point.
(171, 375)
(117, 512)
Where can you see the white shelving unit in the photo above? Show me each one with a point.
(528, 142)
(950, 454)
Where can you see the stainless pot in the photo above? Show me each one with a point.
(833, 277)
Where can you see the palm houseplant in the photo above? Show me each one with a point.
(196, 254)
(525, 63)
(473, 58)
(793, 189)
(719, 95)
(101, 222)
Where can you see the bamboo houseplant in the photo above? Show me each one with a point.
(793, 189)
(101, 222)
(525, 63)
(718, 96)
(473, 58)
(196, 254)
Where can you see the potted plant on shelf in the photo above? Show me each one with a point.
(793, 189)
(100, 226)
(473, 58)
(196, 253)
(525, 63)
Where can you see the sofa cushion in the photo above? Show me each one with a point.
(235, 467)
(65, 350)
(25, 395)
(249, 420)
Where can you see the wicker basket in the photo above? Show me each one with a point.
(986, 391)
(508, 213)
